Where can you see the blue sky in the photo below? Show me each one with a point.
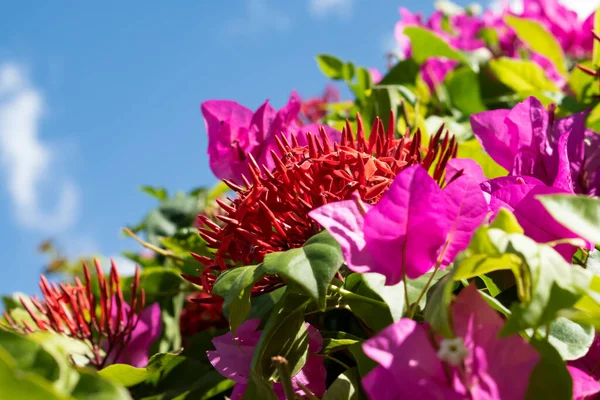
(97, 99)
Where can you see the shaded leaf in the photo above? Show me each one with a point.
(311, 267)
(235, 286)
(285, 334)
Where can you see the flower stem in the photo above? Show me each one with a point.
(413, 309)
(286, 377)
(152, 247)
(336, 361)
(350, 295)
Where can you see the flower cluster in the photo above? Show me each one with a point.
(434, 237)
(116, 331)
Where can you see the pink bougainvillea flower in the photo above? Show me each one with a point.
(518, 194)
(232, 357)
(528, 140)
(584, 385)
(464, 167)
(476, 364)
(146, 331)
(563, 23)
(234, 131)
(590, 363)
(434, 70)
(376, 76)
(388, 238)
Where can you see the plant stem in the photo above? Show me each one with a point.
(309, 395)
(152, 247)
(413, 310)
(286, 377)
(336, 361)
(349, 295)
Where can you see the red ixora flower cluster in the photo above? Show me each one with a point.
(314, 109)
(271, 213)
(106, 325)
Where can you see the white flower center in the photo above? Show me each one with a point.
(453, 351)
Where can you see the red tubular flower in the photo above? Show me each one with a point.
(270, 213)
(314, 109)
(200, 312)
(73, 310)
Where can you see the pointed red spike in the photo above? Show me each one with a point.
(391, 128)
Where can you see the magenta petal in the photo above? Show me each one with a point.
(344, 221)
(539, 225)
(147, 330)
(563, 178)
(466, 167)
(408, 365)
(232, 358)
(584, 385)
(489, 128)
(227, 127)
(395, 228)
(465, 210)
(502, 366)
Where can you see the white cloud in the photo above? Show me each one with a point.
(260, 16)
(27, 163)
(124, 265)
(583, 8)
(321, 8)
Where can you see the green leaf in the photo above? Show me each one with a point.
(157, 282)
(492, 288)
(330, 66)
(337, 341)
(159, 193)
(348, 71)
(262, 305)
(92, 386)
(363, 362)
(437, 310)
(311, 266)
(345, 387)
(235, 286)
(472, 149)
(570, 339)
(580, 214)
(521, 75)
(384, 99)
(539, 40)
(364, 79)
(463, 87)
(416, 286)
(426, 44)
(372, 285)
(404, 73)
(285, 334)
(127, 375)
(550, 378)
(16, 384)
(582, 84)
(258, 388)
